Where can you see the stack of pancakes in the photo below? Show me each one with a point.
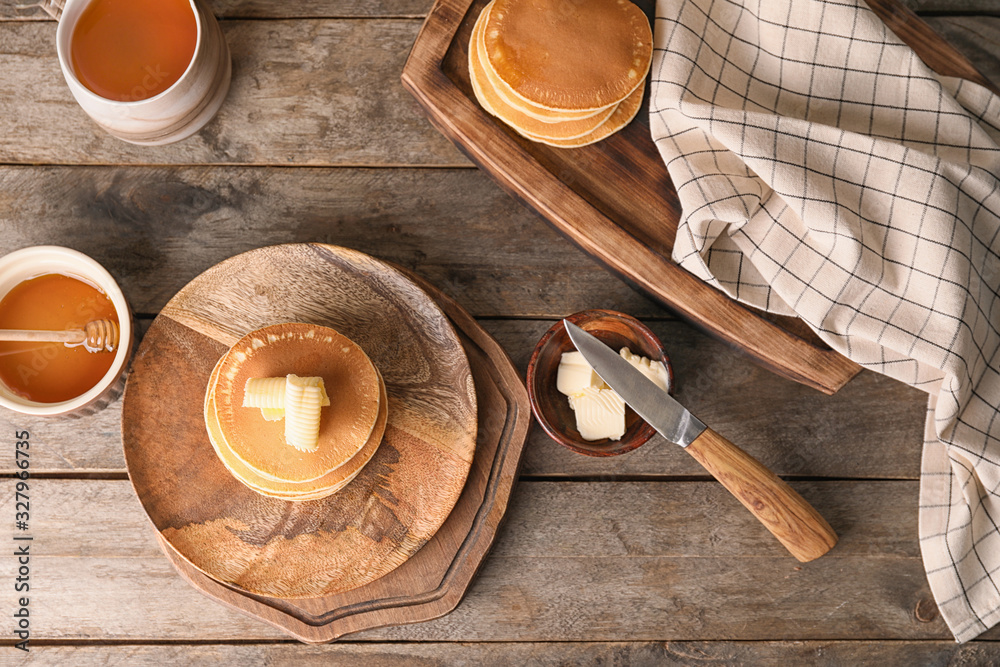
(254, 449)
(562, 73)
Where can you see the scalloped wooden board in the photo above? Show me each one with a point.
(429, 581)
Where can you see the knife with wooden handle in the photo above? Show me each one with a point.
(796, 524)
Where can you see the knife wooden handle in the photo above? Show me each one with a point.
(785, 513)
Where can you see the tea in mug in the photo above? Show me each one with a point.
(131, 50)
(52, 372)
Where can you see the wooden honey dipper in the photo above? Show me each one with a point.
(96, 336)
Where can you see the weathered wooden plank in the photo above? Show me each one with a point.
(89, 444)
(870, 429)
(309, 92)
(273, 9)
(454, 227)
(280, 9)
(103, 519)
(987, 7)
(299, 96)
(576, 598)
(698, 520)
(541, 654)
(129, 598)
(636, 561)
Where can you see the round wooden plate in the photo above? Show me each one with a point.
(309, 549)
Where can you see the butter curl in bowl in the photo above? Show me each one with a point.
(553, 409)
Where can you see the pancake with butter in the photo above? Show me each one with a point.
(484, 84)
(569, 56)
(346, 425)
(295, 491)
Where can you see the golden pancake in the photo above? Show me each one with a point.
(622, 116)
(296, 491)
(316, 489)
(569, 56)
(305, 350)
(488, 79)
(493, 102)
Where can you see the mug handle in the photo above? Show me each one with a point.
(53, 8)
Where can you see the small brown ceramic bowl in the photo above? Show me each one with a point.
(551, 408)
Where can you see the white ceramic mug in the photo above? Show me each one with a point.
(176, 113)
(27, 263)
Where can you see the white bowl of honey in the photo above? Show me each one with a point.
(51, 288)
(150, 72)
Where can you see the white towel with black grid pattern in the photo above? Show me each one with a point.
(825, 171)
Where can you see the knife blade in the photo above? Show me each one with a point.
(671, 419)
(792, 520)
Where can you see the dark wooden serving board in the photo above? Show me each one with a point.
(614, 198)
(430, 581)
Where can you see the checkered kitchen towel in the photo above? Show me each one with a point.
(825, 171)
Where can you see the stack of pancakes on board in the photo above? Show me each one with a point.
(254, 449)
(561, 73)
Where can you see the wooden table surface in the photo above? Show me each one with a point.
(638, 559)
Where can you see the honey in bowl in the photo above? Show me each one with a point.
(52, 372)
(131, 50)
